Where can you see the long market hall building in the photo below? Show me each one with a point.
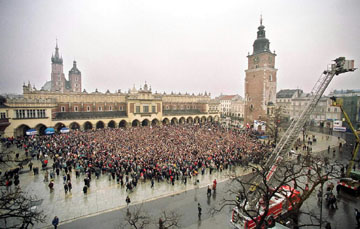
(60, 103)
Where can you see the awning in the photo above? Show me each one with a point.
(49, 131)
(31, 132)
(64, 130)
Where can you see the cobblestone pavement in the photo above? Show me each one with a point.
(106, 195)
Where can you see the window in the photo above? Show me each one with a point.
(335, 109)
(2, 115)
(137, 109)
(75, 108)
(153, 109)
(146, 109)
(167, 107)
(88, 108)
(270, 78)
(62, 109)
(100, 108)
(110, 108)
(121, 108)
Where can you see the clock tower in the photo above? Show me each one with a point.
(260, 80)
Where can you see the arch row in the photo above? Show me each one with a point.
(100, 124)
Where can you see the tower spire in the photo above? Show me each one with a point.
(261, 19)
(57, 58)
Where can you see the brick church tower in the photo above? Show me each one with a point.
(57, 72)
(260, 80)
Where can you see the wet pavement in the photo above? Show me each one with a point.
(105, 197)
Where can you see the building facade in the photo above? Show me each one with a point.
(64, 105)
(323, 115)
(260, 80)
(283, 100)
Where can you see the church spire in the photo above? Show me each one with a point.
(260, 19)
(56, 59)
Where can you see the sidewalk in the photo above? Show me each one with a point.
(104, 195)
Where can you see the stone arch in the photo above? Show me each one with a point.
(122, 124)
(74, 126)
(135, 123)
(58, 126)
(155, 122)
(174, 121)
(189, 120)
(165, 121)
(40, 129)
(182, 120)
(145, 122)
(203, 119)
(88, 126)
(209, 119)
(20, 131)
(196, 119)
(216, 118)
(100, 125)
(111, 124)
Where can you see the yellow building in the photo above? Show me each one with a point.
(41, 109)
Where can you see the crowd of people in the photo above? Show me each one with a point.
(172, 153)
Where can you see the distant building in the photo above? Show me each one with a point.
(284, 98)
(231, 105)
(260, 80)
(351, 104)
(323, 115)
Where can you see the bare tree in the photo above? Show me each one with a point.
(169, 220)
(274, 122)
(301, 179)
(17, 208)
(137, 218)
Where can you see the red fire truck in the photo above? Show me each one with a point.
(280, 203)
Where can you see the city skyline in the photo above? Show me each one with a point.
(180, 47)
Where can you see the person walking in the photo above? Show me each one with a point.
(66, 188)
(69, 186)
(152, 182)
(208, 191)
(128, 201)
(357, 216)
(55, 222)
(199, 210)
(30, 165)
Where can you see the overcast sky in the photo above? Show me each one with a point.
(181, 46)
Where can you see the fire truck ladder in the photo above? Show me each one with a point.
(292, 133)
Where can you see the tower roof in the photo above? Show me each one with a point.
(74, 69)
(261, 44)
(56, 59)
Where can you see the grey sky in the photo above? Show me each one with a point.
(187, 46)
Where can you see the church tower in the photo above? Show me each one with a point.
(75, 78)
(260, 80)
(57, 74)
